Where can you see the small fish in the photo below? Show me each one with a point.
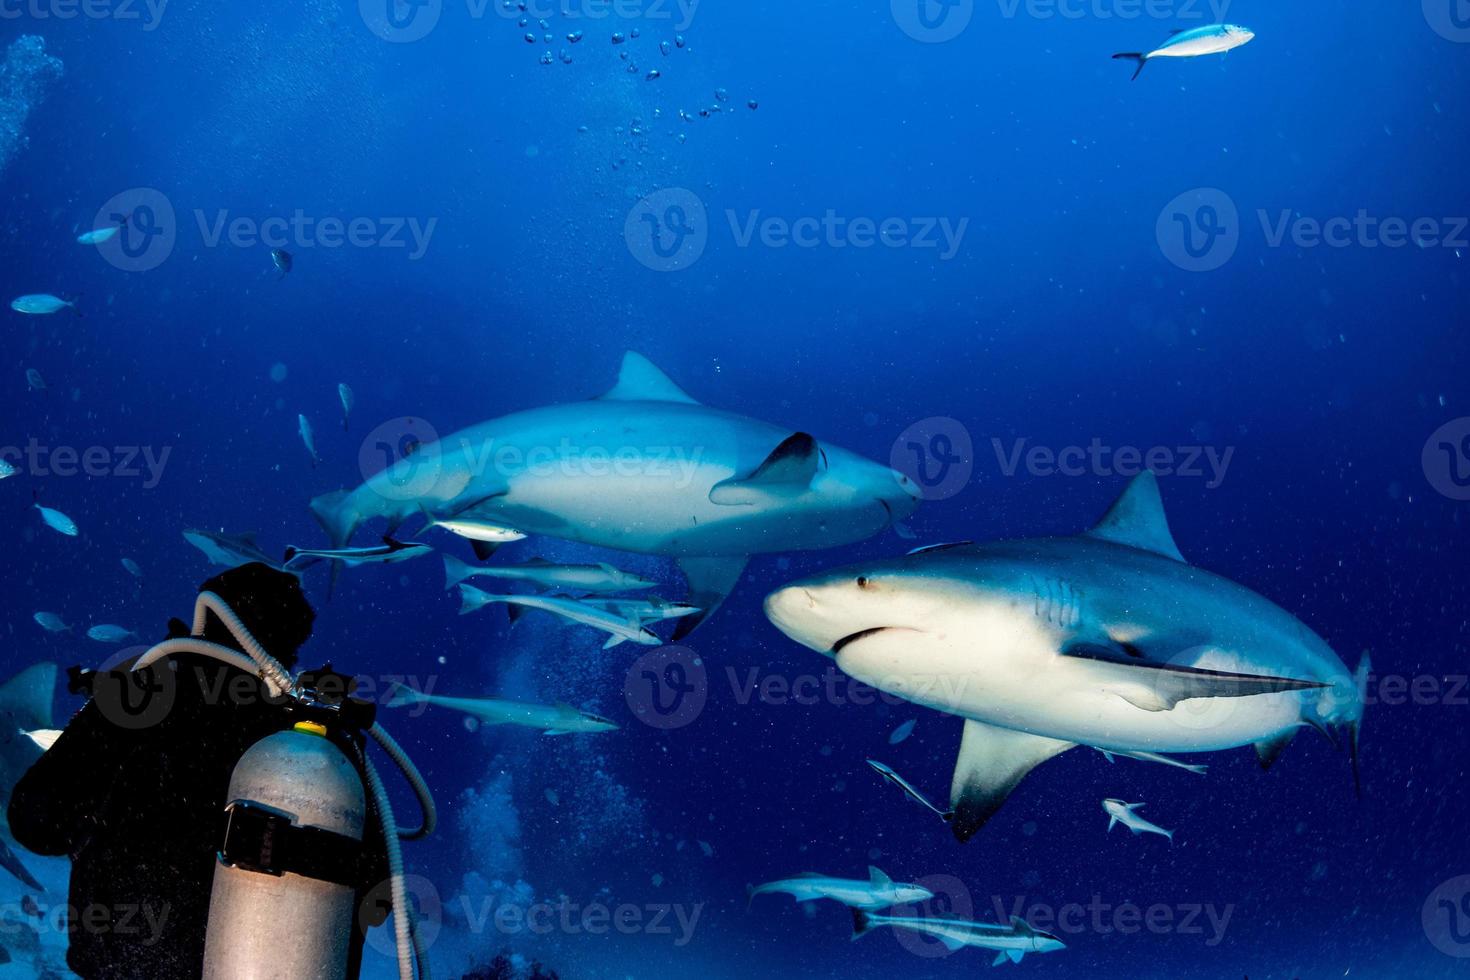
(878, 891)
(38, 304)
(380, 554)
(619, 630)
(304, 427)
(281, 259)
(1198, 770)
(484, 536)
(547, 575)
(101, 235)
(558, 719)
(902, 731)
(57, 521)
(132, 568)
(34, 380)
(7, 469)
(229, 550)
(1211, 39)
(348, 400)
(50, 622)
(108, 633)
(44, 737)
(1126, 814)
(908, 789)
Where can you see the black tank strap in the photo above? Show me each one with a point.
(262, 840)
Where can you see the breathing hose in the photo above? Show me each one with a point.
(259, 663)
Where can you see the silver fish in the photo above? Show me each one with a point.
(304, 427)
(57, 521)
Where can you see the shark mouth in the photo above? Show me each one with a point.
(860, 634)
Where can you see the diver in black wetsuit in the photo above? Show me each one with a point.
(134, 791)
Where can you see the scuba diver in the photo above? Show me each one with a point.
(134, 792)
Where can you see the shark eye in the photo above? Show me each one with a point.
(862, 581)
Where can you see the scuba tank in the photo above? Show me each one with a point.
(296, 814)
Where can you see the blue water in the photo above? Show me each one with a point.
(1063, 315)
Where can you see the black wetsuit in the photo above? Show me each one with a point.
(134, 790)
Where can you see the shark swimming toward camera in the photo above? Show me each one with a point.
(1210, 39)
(877, 892)
(1010, 942)
(1108, 639)
(25, 707)
(644, 468)
(557, 719)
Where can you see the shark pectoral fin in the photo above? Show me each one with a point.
(1155, 686)
(710, 581)
(1137, 520)
(640, 381)
(1270, 749)
(11, 863)
(1015, 955)
(999, 958)
(788, 470)
(483, 549)
(951, 943)
(28, 695)
(992, 762)
(614, 640)
(556, 731)
(1112, 822)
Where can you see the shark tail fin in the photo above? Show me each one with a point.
(401, 696)
(1137, 56)
(339, 518)
(862, 924)
(1355, 727)
(750, 894)
(456, 571)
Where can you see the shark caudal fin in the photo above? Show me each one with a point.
(456, 571)
(1137, 56)
(1355, 727)
(335, 513)
(862, 924)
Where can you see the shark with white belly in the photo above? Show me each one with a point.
(1108, 639)
(645, 468)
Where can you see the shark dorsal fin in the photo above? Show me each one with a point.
(877, 878)
(640, 381)
(27, 696)
(1021, 926)
(1137, 520)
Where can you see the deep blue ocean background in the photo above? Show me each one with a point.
(1059, 319)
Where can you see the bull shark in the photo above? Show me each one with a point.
(1010, 942)
(644, 468)
(1107, 639)
(25, 706)
(229, 550)
(877, 892)
(558, 719)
